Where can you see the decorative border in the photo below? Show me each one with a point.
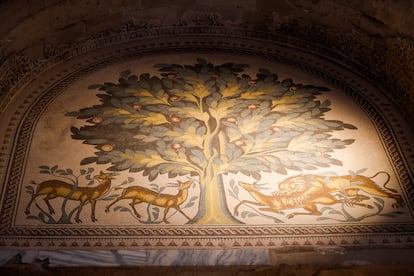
(204, 235)
(209, 242)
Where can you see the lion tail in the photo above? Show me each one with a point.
(386, 181)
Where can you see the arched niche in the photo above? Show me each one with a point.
(307, 101)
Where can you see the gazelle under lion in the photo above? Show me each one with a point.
(307, 191)
(57, 188)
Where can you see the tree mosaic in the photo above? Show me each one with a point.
(205, 121)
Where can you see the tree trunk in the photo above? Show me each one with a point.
(213, 206)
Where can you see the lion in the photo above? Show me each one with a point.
(346, 186)
(307, 191)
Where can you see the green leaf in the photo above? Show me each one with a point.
(323, 209)
(325, 103)
(167, 83)
(72, 114)
(380, 200)
(95, 86)
(124, 165)
(241, 65)
(336, 162)
(60, 171)
(144, 76)
(335, 212)
(96, 141)
(264, 71)
(115, 102)
(348, 141)
(188, 205)
(108, 198)
(155, 119)
(86, 133)
(301, 143)
(124, 74)
(322, 218)
(154, 186)
(379, 206)
(89, 111)
(361, 171)
(201, 61)
(121, 209)
(41, 216)
(88, 160)
(162, 65)
(397, 212)
(155, 213)
(191, 112)
(230, 91)
(29, 189)
(248, 214)
(200, 91)
(349, 126)
(232, 194)
(236, 190)
(387, 215)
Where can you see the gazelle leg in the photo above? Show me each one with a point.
(313, 210)
(112, 203)
(236, 208)
(132, 204)
(46, 199)
(77, 219)
(27, 211)
(179, 210)
(93, 203)
(165, 214)
(270, 210)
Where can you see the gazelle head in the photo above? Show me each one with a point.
(104, 176)
(252, 187)
(184, 185)
(248, 187)
(181, 185)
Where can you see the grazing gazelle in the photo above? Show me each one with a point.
(57, 188)
(139, 194)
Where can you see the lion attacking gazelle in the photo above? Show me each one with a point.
(306, 191)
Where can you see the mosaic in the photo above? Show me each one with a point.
(202, 151)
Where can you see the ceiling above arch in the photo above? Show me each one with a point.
(374, 39)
